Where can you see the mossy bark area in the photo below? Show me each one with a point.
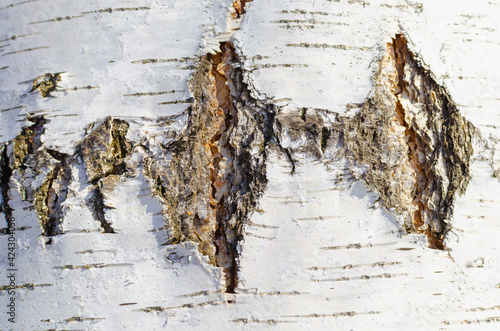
(415, 144)
(29, 161)
(27, 142)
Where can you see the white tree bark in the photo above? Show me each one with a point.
(189, 165)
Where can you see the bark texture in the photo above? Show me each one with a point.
(249, 164)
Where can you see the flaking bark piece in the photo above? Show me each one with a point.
(104, 149)
(46, 83)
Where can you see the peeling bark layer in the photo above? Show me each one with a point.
(239, 8)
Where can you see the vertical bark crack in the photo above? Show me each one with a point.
(98, 207)
(415, 143)
(5, 174)
(217, 170)
(49, 197)
(216, 173)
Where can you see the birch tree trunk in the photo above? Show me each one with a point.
(190, 165)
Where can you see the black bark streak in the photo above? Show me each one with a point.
(290, 159)
(98, 207)
(325, 135)
(5, 174)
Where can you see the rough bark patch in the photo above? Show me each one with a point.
(414, 143)
(46, 83)
(104, 149)
(217, 168)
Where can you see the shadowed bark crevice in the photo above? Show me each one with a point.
(5, 174)
(97, 206)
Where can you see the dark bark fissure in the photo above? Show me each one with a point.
(98, 207)
(5, 174)
(325, 135)
(214, 179)
(217, 170)
(453, 144)
(290, 159)
(432, 154)
(238, 181)
(415, 144)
